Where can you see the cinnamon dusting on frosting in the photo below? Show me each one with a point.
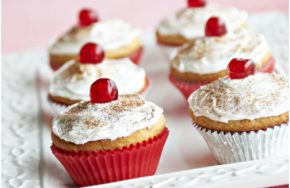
(73, 80)
(110, 34)
(257, 96)
(85, 122)
(131, 101)
(190, 22)
(212, 54)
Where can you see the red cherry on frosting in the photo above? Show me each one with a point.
(240, 68)
(215, 27)
(91, 53)
(196, 3)
(87, 17)
(103, 90)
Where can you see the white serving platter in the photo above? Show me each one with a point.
(186, 160)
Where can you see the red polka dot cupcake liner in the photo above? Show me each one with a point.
(93, 168)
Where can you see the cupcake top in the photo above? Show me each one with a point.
(85, 121)
(73, 80)
(207, 55)
(190, 22)
(256, 96)
(110, 34)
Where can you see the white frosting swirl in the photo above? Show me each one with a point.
(257, 96)
(190, 22)
(212, 54)
(73, 80)
(110, 34)
(84, 122)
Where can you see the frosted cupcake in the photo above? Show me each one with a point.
(72, 81)
(109, 138)
(243, 118)
(188, 23)
(118, 38)
(205, 59)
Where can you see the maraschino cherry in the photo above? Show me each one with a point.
(87, 17)
(196, 3)
(103, 90)
(215, 27)
(240, 68)
(91, 53)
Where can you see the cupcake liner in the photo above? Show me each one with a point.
(136, 57)
(268, 67)
(92, 168)
(168, 51)
(253, 145)
(186, 88)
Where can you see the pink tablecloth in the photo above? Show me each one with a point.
(31, 23)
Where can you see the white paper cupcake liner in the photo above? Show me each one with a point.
(168, 51)
(253, 145)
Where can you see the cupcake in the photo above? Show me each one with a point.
(243, 118)
(205, 59)
(118, 38)
(72, 81)
(109, 138)
(188, 23)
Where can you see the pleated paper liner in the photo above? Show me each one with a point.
(253, 145)
(92, 168)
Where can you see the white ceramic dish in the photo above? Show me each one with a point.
(186, 160)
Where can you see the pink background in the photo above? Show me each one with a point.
(31, 23)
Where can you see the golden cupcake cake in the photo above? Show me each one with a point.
(109, 138)
(205, 59)
(72, 81)
(243, 118)
(189, 22)
(118, 38)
